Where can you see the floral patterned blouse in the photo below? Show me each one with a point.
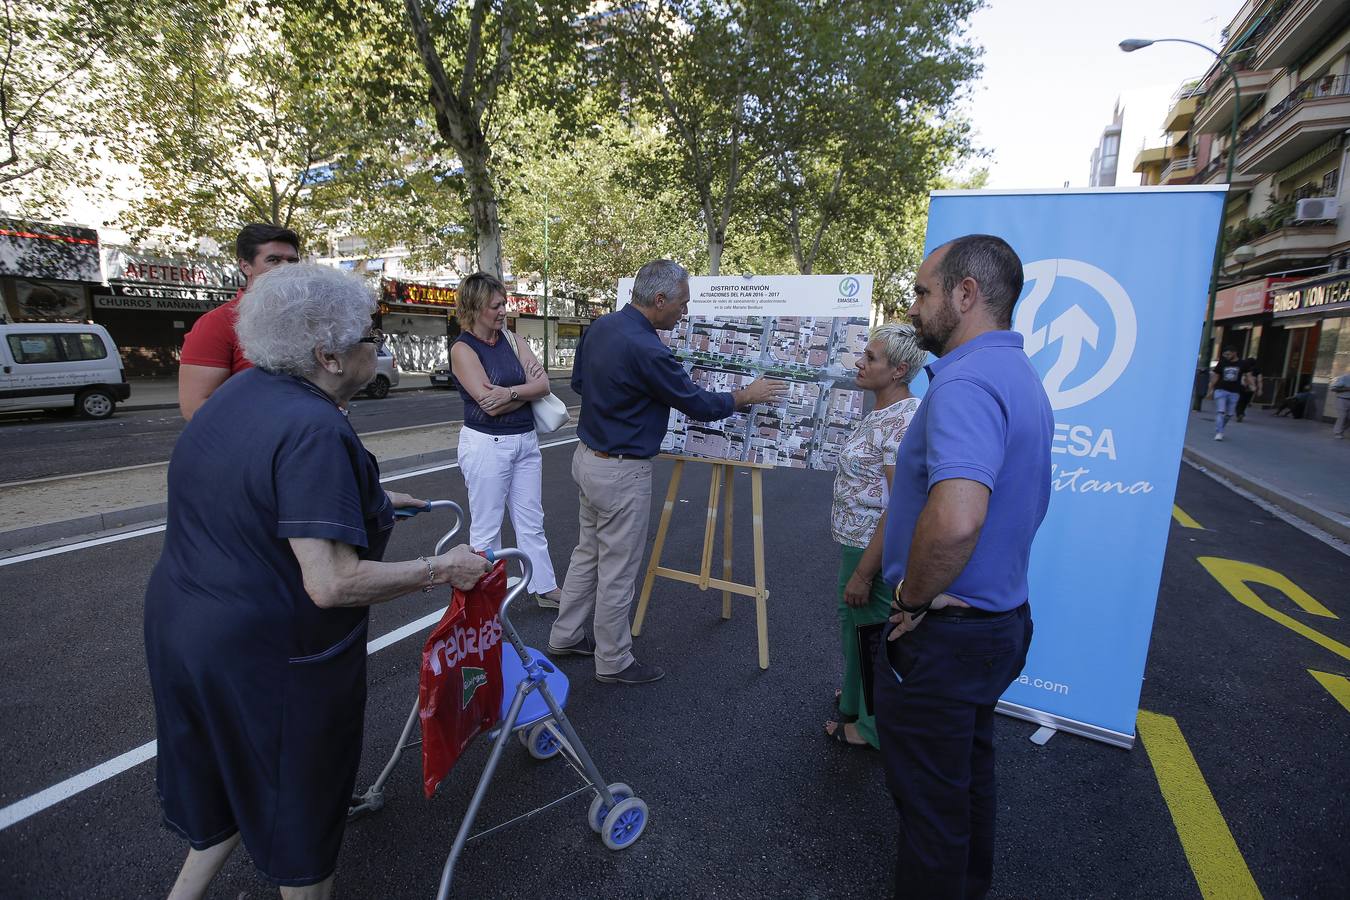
(860, 490)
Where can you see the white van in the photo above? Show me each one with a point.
(51, 366)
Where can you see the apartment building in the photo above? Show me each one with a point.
(1284, 293)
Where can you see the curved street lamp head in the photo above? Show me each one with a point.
(1129, 45)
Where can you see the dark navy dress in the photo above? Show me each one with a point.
(259, 694)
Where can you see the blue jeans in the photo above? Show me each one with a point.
(937, 743)
(1225, 404)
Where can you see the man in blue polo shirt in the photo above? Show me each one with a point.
(972, 483)
(628, 381)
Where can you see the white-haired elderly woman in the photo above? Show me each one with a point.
(255, 615)
(858, 515)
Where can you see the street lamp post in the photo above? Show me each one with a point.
(1207, 338)
(546, 283)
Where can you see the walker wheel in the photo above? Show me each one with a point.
(624, 824)
(541, 741)
(598, 811)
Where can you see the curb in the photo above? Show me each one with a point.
(1324, 519)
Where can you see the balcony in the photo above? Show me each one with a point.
(1296, 27)
(1178, 171)
(1216, 170)
(1215, 114)
(1283, 247)
(1315, 111)
(1181, 114)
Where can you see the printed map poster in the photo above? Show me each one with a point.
(807, 330)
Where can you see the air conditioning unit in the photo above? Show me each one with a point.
(1316, 209)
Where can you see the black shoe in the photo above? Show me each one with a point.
(583, 647)
(636, 673)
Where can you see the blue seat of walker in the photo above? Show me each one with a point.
(513, 672)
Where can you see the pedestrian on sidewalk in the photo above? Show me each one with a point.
(1225, 383)
(862, 489)
(628, 381)
(256, 614)
(1251, 385)
(970, 492)
(498, 377)
(211, 351)
(1340, 389)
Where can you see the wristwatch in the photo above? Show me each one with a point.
(898, 604)
(514, 395)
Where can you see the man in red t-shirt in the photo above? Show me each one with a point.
(211, 354)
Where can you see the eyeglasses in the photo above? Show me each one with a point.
(375, 337)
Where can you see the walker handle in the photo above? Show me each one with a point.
(454, 530)
(522, 586)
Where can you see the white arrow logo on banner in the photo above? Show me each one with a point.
(1074, 327)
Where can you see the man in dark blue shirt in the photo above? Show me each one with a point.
(972, 484)
(628, 381)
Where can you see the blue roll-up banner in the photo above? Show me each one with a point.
(1116, 287)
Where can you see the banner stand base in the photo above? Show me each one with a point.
(1059, 723)
(1042, 735)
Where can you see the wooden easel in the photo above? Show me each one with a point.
(724, 471)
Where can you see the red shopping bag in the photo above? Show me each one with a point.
(460, 687)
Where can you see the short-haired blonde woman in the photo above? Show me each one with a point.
(499, 455)
(857, 518)
(256, 613)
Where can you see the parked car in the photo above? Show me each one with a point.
(386, 374)
(58, 366)
(442, 377)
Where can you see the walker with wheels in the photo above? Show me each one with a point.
(534, 712)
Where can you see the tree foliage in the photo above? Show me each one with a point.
(54, 64)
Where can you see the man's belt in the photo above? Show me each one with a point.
(965, 612)
(620, 456)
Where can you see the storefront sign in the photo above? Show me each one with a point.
(1315, 297)
(130, 268)
(40, 301)
(1250, 299)
(418, 294)
(159, 303)
(521, 305)
(39, 250)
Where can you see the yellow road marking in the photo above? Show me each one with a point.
(1220, 871)
(1235, 576)
(1184, 520)
(1337, 686)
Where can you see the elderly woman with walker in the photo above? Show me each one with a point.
(256, 613)
(858, 515)
(498, 377)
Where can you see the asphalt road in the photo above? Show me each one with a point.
(41, 445)
(747, 798)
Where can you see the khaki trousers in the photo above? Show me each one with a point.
(616, 502)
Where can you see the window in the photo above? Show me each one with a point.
(48, 348)
(82, 346)
(34, 348)
(1329, 183)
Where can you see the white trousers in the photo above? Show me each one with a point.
(505, 471)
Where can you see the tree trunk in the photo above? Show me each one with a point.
(483, 211)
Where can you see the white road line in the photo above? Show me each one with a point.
(18, 811)
(80, 545)
(156, 529)
(22, 809)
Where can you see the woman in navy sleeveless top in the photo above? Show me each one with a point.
(499, 455)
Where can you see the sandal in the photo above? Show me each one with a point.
(840, 735)
(843, 716)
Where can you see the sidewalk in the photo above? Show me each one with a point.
(1294, 464)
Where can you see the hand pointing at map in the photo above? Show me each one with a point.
(761, 390)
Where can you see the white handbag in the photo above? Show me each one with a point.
(550, 413)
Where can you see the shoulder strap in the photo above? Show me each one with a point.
(511, 339)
